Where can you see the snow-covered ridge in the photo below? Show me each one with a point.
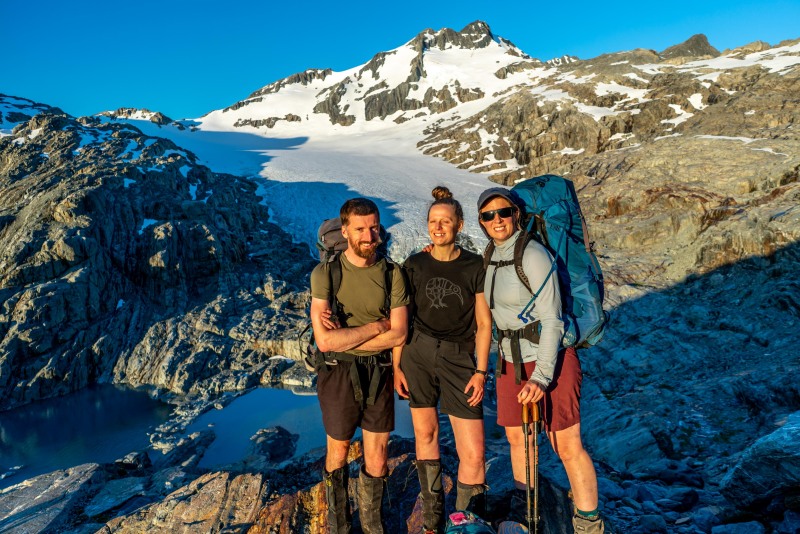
(424, 77)
(322, 136)
(14, 110)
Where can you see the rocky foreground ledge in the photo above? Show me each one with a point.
(262, 493)
(163, 489)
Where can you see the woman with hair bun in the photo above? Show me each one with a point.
(445, 359)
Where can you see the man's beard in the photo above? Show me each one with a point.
(363, 249)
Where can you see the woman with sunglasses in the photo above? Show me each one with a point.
(444, 362)
(547, 373)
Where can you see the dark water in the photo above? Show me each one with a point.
(264, 408)
(97, 424)
(103, 423)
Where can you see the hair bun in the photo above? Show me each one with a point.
(440, 192)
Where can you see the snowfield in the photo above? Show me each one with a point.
(306, 180)
(307, 168)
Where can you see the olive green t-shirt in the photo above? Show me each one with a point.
(362, 293)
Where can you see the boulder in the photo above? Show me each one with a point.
(751, 527)
(114, 494)
(768, 468)
(268, 448)
(49, 502)
(208, 503)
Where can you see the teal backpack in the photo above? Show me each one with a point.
(552, 215)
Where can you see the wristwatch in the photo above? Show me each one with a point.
(480, 372)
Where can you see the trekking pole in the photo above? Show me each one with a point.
(526, 417)
(536, 420)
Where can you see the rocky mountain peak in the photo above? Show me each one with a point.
(473, 36)
(134, 113)
(397, 82)
(695, 46)
(478, 30)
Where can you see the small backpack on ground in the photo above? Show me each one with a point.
(551, 214)
(463, 522)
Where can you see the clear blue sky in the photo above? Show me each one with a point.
(187, 57)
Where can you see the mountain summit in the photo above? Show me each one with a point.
(430, 74)
(695, 46)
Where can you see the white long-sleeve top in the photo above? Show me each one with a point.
(511, 296)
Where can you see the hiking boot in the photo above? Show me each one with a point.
(432, 494)
(588, 525)
(370, 500)
(339, 518)
(472, 498)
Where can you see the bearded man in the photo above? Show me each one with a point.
(355, 329)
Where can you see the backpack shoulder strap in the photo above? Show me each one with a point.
(335, 273)
(487, 254)
(519, 250)
(388, 273)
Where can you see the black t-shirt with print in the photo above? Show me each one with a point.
(444, 294)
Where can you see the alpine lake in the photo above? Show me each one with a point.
(103, 423)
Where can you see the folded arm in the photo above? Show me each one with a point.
(342, 339)
(394, 336)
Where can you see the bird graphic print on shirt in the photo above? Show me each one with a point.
(437, 289)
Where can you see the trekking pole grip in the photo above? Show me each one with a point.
(526, 413)
(536, 415)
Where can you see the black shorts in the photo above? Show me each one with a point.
(439, 371)
(341, 414)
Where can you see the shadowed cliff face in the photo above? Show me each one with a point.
(123, 260)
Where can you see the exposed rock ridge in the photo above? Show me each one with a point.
(155, 117)
(330, 105)
(563, 60)
(303, 78)
(694, 46)
(123, 260)
(269, 122)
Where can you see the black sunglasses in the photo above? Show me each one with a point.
(504, 213)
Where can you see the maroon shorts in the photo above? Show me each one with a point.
(341, 414)
(561, 405)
